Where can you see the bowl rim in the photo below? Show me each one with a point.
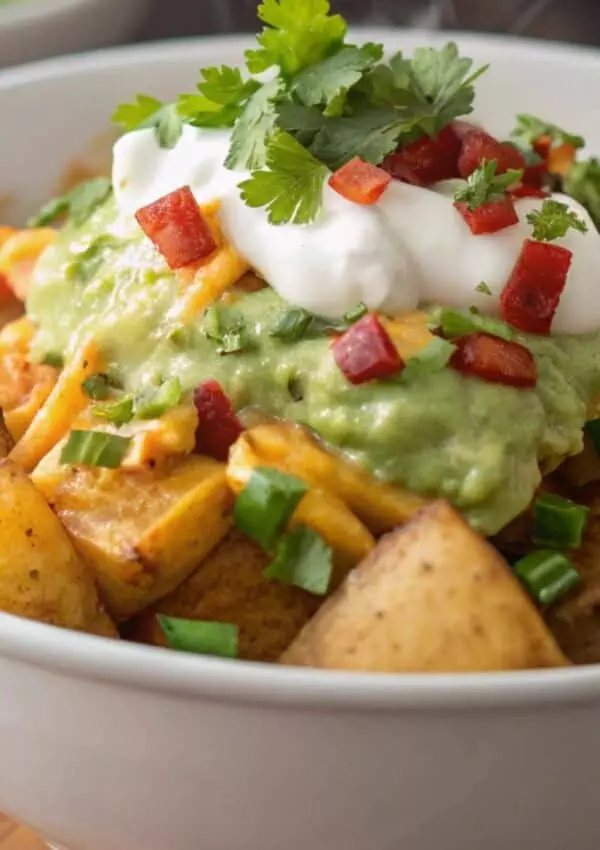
(22, 13)
(157, 670)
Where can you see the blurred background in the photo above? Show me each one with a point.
(33, 29)
(567, 20)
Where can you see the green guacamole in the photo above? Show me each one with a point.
(475, 443)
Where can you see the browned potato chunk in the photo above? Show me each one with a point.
(229, 587)
(433, 596)
(6, 441)
(41, 577)
(144, 531)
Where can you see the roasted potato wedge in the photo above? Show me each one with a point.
(292, 449)
(229, 587)
(41, 576)
(432, 597)
(142, 532)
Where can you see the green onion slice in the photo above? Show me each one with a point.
(453, 323)
(96, 386)
(94, 448)
(200, 636)
(293, 325)
(352, 316)
(152, 404)
(303, 559)
(433, 358)
(558, 522)
(547, 574)
(53, 358)
(119, 413)
(266, 503)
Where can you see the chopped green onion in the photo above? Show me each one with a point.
(293, 325)
(94, 448)
(547, 574)
(154, 403)
(119, 413)
(454, 323)
(200, 636)
(558, 522)
(303, 559)
(266, 503)
(352, 316)
(96, 386)
(433, 358)
(226, 328)
(53, 358)
(592, 429)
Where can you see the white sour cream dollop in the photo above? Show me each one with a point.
(410, 248)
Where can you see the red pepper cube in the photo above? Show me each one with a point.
(426, 161)
(479, 146)
(218, 426)
(178, 229)
(525, 190)
(530, 298)
(496, 360)
(359, 181)
(490, 217)
(365, 352)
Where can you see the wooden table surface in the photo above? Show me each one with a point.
(13, 837)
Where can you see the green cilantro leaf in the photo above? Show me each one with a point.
(253, 129)
(119, 412)
(292, 186)
(299, 33)
(147, 112)
(554, 220)
(583, 184)
(327, 80)
(303, 122)
(302, 559)
(529, 129)
(96, 386)
(227, 328)
(131, 116)
(220, 98)
(484, 185)
(483, 288)
(454, 323)
(442, 78)
(371, 134)
(78, 204)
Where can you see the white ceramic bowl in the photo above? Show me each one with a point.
(34, 29)
(108, 746)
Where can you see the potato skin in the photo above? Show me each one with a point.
(41, 576)
(141, 532)
(432, 597)
(229, 587)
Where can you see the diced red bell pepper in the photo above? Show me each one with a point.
(478, 146)
(6, 292)
(496, 360)
(530, 298)
(427, 160)
(218, 426)
(535, 175)
(178, 229)
(366, 352)
(490, 217)
(542, 146)
(359, 181)
(525, 190)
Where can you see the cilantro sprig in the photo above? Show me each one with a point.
(529, 129)
(553, 221)
(484, 185)
(77, 205)
(327, 102)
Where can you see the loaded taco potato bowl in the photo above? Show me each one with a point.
(300, 384)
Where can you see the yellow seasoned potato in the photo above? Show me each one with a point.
(432, 597)
(41, 576)
(6, 441)
(63, 404)
(142, 532)
(290, 448)
(229, 587)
